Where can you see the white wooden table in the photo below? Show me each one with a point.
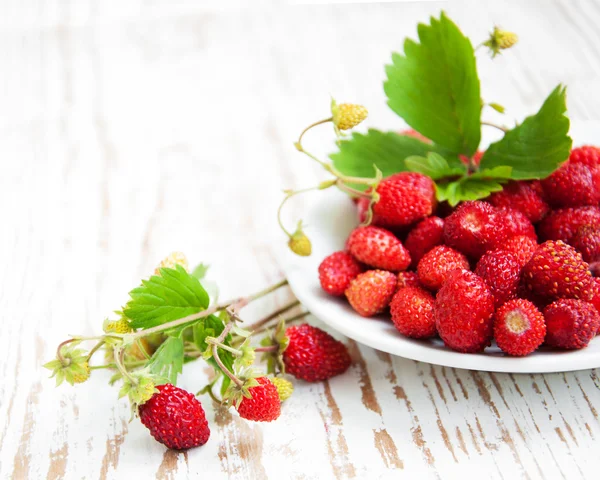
(130, 129)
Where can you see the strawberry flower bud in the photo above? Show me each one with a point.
(70, 365)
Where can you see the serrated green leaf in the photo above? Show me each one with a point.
(169, 296)
(386, 150)
(501, 172)
(167, 361)
(468, 188)
(539, 145)
(434, 86)
(434, 166)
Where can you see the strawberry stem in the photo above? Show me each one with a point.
(95, 349)
(270, 348)
(63, 360)
(273, 315)
(499, 127)
(215, 352)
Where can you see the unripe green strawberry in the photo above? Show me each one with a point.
(284, 387)
(174, 259)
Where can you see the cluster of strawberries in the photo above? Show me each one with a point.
(176, 418)
(516, 267)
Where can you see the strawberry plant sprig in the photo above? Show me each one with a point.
(434, 87)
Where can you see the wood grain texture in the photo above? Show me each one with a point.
(130, 129)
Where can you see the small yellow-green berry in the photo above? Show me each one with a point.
(300, 244)
(81, 374)
(348, 115)
(284, 387)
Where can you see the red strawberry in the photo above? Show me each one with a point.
(378, 248)
(427, 234)
(264, 405)
(437, 264)
(522, 247)
(516, 223)
(573, 185)
(474, 228)
(337, 271)
(412, 312)
(563, 224)
(587, 242)
(523, 196)
(519, 327)
(371, 292)
(586, 155)
(556, 270)
(175, 418)
(404, 198)
(501, 271)
(596, 295)
(463, 312)
(570, 324)
(407, 279)
(314, 355)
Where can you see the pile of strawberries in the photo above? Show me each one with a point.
(517, 267)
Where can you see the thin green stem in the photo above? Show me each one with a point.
(499, 127)
(63, 360)
(119, 357)
(270, 348)
(142, 349)
(283, 202)
(300, 316)
(266, 291)
(320, 122)
(273, 315)
(351, 191)
(95, 349)
(215, 352)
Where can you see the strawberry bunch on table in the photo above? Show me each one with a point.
(515, 267)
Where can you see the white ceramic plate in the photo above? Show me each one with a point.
(331, 218)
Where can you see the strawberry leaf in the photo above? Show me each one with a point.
(539, 145)
(386, 150)
(169, 296)
(167, 361)
(434, 166)
(434, 86)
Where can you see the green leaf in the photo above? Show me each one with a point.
(169, 296)
(386, 150)
(212, 327)
(539, 145)
(434, 166)
(167, 361)
(200, 271)
(434, 86)
(475, 186)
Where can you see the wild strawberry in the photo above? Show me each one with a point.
(284, 387)
(501, 271)
(556, 270)
(337, 271)
(175, 418)
(263, 405)
(596, 295)
(573, 185)
(463, 312)
(521, 246)
(523, 196)
(519, 327)
(407, 279)
(299, 243)
(570, 324)
(437, 264)
(563, 224)
(371, 292)
(313, 355)
(516, 223)
(500, 40)
(587, 242)
(423, 237)
(586, 155)
(378, 248)
(347, 115)
(474, 228)
(404, 198)
(412, 312)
